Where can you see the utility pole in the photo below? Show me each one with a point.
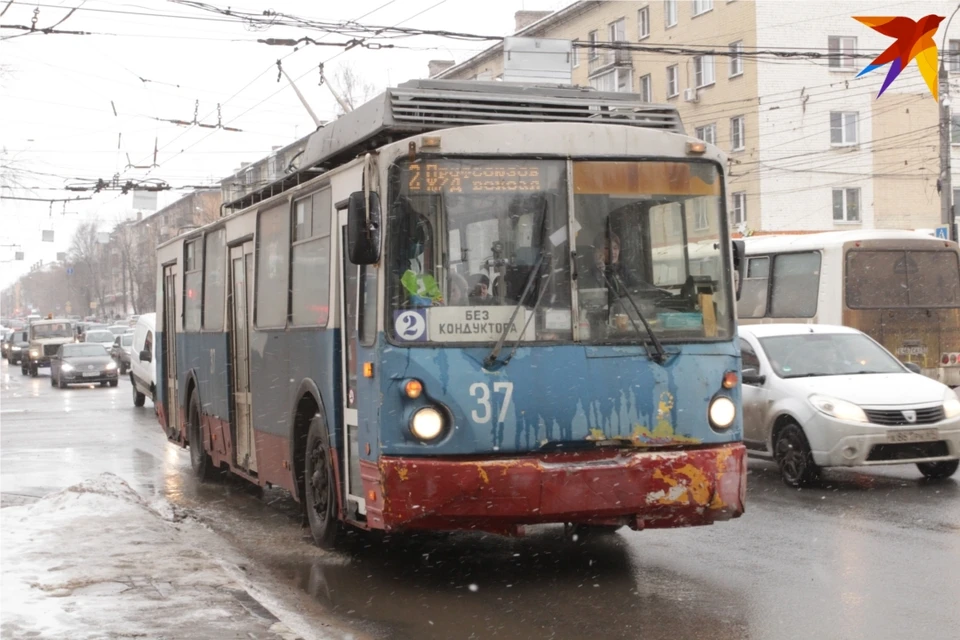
(948, 215)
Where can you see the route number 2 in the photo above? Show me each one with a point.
(481, 391)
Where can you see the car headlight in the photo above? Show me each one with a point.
(34, 353)
(16, 348)
(951, 404)
(722, 412)
(66, 366)
(836, 408)
(111, 365)
(427, 423)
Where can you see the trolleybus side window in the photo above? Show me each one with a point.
(878, 279)
(753, 296)
(192, 285)
(311, 259)
(273, 260)
(796, 285)
(214, 282)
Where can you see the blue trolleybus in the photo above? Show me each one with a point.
(468, 305)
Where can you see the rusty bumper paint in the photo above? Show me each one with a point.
(641, 489)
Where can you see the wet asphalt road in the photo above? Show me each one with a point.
(868, 555)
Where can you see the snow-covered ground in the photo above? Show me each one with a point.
(97, 561)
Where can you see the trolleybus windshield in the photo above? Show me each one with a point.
(466, 236)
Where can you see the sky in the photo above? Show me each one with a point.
(78, 108)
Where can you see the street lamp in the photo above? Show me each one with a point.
(947, 214)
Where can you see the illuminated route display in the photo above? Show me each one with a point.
(474, 177)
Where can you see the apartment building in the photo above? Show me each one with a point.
(774, 84)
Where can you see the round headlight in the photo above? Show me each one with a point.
(427, 423)
(34, 353)
(111, 366)
(722, 412)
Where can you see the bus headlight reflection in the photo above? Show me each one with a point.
(722, 412)
(427, 423)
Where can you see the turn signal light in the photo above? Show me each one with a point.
(413, 389)
(730, 379)
(696, 147)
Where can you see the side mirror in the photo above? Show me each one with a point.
(363, 228)
(752, 377)
(739, 262)
(146, 356)
(913, 366)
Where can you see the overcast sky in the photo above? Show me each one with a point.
(156, 59)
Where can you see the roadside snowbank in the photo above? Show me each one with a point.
(97, 561)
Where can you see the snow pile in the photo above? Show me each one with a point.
(97, 561)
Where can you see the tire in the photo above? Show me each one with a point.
(138, 398)
(114, 383)
(200, 462)
(60, 383)
(319, 487)
(792, 454)
(103, 383)
(34, 370)
(584, 532)
(938, 470)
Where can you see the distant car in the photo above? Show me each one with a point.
(82, 363)
(143, 365)
(15, 345)
(100, 336)
(132, 321)
(45, 337)
(830, 396)
(119, 329)
(120, 351)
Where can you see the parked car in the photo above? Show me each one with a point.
(82, 363)
(16, 345)
(830, 396)
(45, 338)
(143, 360)
(103, 337)
(119, 329)
(120, 351)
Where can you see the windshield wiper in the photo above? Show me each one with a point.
(661, 355)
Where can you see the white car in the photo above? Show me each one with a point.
(143, 356)
(830, 396)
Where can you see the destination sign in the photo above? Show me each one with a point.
(474, 177)
(474, 324)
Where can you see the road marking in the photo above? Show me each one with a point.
(13, 410)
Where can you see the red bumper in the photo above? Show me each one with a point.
(638, 488)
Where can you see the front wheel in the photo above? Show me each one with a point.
(60, 383)
(138, 398)
(34, 370)
(199, 460)
(114, 383)
(320, 496)
(792, 454)
(938, 470)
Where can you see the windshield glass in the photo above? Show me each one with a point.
(54, 330)
(876, 279)
(126, 340)
(827, 354)
(467, 237)
(82, 350)
(98, 336)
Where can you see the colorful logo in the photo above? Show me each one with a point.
(914, 40)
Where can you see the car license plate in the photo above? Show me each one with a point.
(91, 374)
(913, 435)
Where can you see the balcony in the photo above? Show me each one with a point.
(604, 59)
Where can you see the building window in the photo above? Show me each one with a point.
(192, 286)
(214, 280)
(643, 23)
(703, 72)
(576, 54)
(841, 50)
(953, 57)
(670, 13)
(673, 81)
(311, 259)
(707, 133)
(646, 88)
(592, 48)
(617, 30)
(702, 6)
(701, 214)
(737, 134)
(846, 205)
(736, 58)
(738, 214)
(843, 127)
(616, 80)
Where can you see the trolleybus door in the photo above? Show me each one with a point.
(350, 449)
(241, 272)
(170, 350)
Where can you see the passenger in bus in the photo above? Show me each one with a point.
(479, 288)
(458, 289)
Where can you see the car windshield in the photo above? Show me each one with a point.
(126, 340)
(82, 350)
(470, 240)
(99, 336)
(53, 330)
(827, 354)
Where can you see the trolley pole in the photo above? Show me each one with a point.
(946, 183)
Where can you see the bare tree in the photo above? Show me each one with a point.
(351, 87)
(86, 252)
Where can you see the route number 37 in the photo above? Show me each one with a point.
(481, 391)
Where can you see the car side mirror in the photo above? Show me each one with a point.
(739, 262)
(752, 377)
(363, 228)
(146, 356)
(913, 366)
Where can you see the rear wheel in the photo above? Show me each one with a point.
(138, 398)
(320, 495)
(938, 470)
(793, 456)
(199, 460)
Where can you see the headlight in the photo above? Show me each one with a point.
(427, 423)
(66, 366)
(111, 365)
(34, 353)
(951, 404)
(722, 412)
(836, 408)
